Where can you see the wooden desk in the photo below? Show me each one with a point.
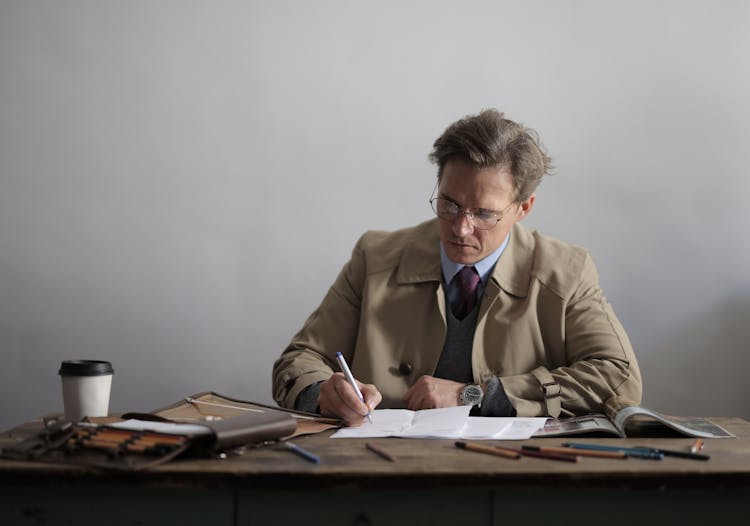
(433, 482)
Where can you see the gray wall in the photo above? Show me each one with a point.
(181, 181)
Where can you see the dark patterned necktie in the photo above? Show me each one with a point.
(468, 281)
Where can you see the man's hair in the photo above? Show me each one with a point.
(488, 140)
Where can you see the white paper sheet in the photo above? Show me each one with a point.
(449, 422)
(443, 423)
(162, 427)
(522, 428)
(478, 427)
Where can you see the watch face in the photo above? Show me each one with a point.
(471, 395)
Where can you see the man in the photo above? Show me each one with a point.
(467, 308)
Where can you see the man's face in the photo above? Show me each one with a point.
(469, 188)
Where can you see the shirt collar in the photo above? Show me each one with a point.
(484, 266)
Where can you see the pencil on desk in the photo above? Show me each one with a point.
(579, 452)
(629, 451)
(479, 448)
(569, 457)
(380, 452)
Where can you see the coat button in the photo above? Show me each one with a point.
(405, 368)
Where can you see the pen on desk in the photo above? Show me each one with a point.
(629, 451)
(672, 453)
(580, 452)
(350, 377)
(479, 448)
(380, 452)
(302, 452)
(697, 445)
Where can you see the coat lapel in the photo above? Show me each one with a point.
(512, 273)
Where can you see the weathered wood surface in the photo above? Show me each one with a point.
(347, 463)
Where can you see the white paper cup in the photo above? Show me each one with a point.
(86, 385)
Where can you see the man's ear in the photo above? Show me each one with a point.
(525, 207)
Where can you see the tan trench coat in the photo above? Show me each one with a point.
(544, 326)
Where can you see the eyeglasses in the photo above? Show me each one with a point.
(480, 218)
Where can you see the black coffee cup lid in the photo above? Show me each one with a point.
(85, 368)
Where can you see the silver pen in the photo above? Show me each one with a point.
(348, 374)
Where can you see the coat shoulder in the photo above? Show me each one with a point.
(558, 265)
(383, 249)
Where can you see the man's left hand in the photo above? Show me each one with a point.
(430, 393)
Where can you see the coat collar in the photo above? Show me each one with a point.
(420, 260)
(513, 270)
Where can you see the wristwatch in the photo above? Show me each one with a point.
(471, 394)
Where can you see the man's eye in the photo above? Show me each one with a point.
(484, 214)
(448, 206)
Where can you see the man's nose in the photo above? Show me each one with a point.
(462, 225)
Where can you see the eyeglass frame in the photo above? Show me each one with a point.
(470, 212)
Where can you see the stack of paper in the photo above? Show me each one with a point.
(448, 422)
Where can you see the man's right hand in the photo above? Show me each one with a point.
(338, 399)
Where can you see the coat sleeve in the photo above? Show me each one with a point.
(333, 327)
(598, 363)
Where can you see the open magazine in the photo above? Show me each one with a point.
(625, 419)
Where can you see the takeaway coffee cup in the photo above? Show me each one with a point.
(86, 385)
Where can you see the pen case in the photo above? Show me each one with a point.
(140, 446)
(243, 430)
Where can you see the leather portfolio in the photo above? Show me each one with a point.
(199, 425)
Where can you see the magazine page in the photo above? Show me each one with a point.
(578, 425)
(631, 419)
(687, 425)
